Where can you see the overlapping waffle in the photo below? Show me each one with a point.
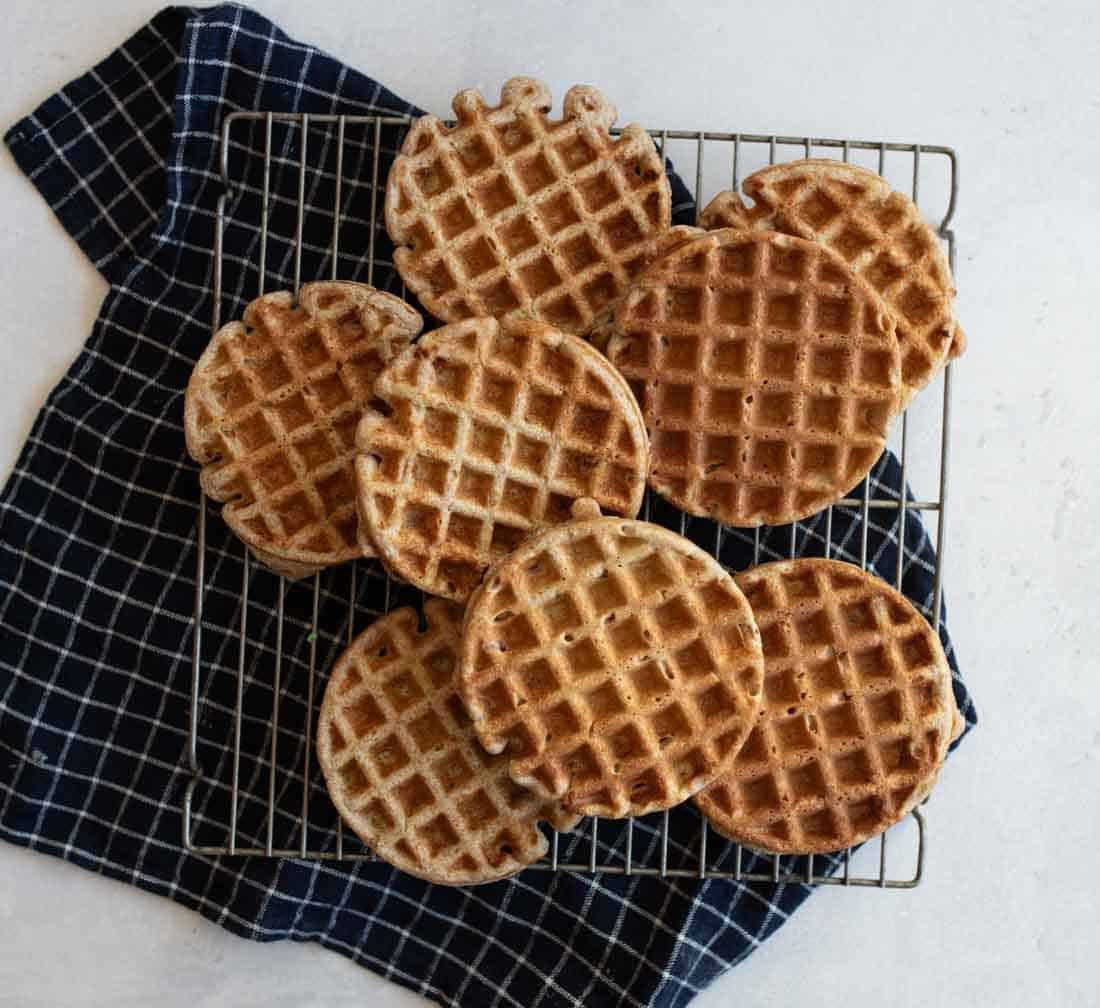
(404, 768)
(857, 716)
(614, 662)
(491, 430)
(271, 411)
(879, 232)
(768, 373)
(511, 214)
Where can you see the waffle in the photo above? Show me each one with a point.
(404, 767)
(767, 372)
(615, 661)
(857, 715)
(271, 411)
(490, 431)
(879, 232)
(511, 214)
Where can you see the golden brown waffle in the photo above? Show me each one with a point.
(857, 716)
(767, 371)
(511, 214)
(404, 768)
(271, 412)
(491, 430)
(615, 662)
(880, 233)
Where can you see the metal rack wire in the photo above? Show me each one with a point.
(720, 159)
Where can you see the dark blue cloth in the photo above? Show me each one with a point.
(98, 560)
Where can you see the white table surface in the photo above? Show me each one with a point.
(1007, 914)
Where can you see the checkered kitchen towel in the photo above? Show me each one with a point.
(98, 558)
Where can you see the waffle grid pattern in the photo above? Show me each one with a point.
(604, 329)
(271, 413)
(879, 232)
(857, 712)
(510, 214)
(616, 663)
(492, 430)
(767, 373)
(404, 766)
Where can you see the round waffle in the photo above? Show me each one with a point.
(490, 431)
(767, 371)
(511, 214)
(404, 768)
(879, 232)
(615, 662)
(857, 716)
(271, 411)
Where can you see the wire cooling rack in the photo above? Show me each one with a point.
(278, 809)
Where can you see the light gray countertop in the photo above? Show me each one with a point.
(1006, 914)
